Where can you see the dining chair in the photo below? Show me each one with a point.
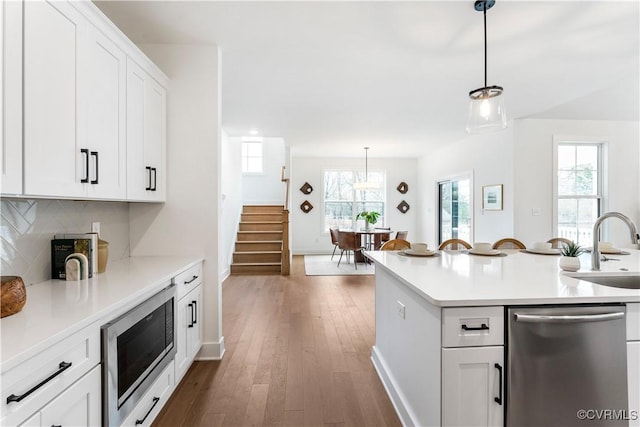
(454, 244)
(508, 243)
(402, 235)
(347, 241)
(558, 242)
(333, 232)
(380, 238)
(395, 245)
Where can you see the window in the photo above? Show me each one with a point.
(342, 202)
(251, 156)
(454, 209)
(578, 188)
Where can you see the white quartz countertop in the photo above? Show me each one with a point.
(456, 278)
(56, 309)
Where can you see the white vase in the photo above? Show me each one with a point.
(569, 263)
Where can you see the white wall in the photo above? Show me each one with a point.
(489, 157)
(266, 188)
(231, 206)
(188, 223)
(307, 235)
(534, 175)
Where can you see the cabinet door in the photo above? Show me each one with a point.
(633, 373)
(78, 405)
(102, 120)
(472, 381)
(184, 319)
(53, 163)
(146, 136)
(11, 96)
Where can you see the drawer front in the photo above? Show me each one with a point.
(29, 386)
(188, 280)
(472, 326)
(153, 400)
(633, 322)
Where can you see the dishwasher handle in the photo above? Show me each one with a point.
(573, 318)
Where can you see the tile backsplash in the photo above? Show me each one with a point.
(27, 227)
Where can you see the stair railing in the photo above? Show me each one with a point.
(285, 260)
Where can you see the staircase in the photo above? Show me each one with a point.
(258, 247)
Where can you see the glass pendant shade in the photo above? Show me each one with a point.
(486, 110)
(365, 185)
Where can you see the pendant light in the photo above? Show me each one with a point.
(486, 104)
(366, 184)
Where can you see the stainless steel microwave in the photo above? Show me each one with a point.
(136, 347)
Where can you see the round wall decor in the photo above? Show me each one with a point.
(306, 188)
(306, 206)
(403, 187)
(403, 206)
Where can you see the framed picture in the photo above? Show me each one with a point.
(492, 197)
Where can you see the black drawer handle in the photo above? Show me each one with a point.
(95, 154)
(148, 168)
(63, 366)
(86, 164)
(482, 327)
(186, 282)
(190, 325)
(56, 425)
(155, 402)
(195, 312)
(499, 398)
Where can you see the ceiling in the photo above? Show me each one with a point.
(331, 77)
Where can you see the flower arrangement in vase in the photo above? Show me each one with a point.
(370, 217)
(569, 260)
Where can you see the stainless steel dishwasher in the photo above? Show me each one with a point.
(566, 359)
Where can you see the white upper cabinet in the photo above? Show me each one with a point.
(54, 164)
(146, 135)
(77, 132)
(11, 96)
(103, 83)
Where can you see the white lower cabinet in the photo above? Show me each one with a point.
(189, 333)
(473, 386)
(79, 405)
(153, 400)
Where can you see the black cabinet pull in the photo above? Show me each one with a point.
(56, 425)
(186, 282)
(86, 164)
(499, 398)
(195, 312)
(155, 402)
(482, 327)
(63, 366)
(190, 325)
(148, 168)
(95, 154)
(155, 178)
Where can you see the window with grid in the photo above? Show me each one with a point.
(342, 202)
(579, 189)
(251, 157)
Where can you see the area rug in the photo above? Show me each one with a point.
(322, 265)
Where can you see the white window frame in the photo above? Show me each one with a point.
(457, 177)
(603, 145)
(354, 223)
(250, 140)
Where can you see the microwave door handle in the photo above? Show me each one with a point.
(538, 318)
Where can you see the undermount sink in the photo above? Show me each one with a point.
(617, 281)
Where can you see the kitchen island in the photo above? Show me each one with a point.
(440, 326)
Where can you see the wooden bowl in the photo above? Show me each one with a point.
(13, 295)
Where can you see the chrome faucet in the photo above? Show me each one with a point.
(595, 252)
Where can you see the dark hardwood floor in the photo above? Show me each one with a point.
(298, 354)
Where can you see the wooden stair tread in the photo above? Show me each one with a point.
(259, 241)
(256, 252)
(260, 222)
(246, 264)
(260, 231)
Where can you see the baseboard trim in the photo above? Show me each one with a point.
(211, 350)
(397, 399)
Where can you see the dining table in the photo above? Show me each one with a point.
(371, 240)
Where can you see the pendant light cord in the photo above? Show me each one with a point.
(484, 11)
